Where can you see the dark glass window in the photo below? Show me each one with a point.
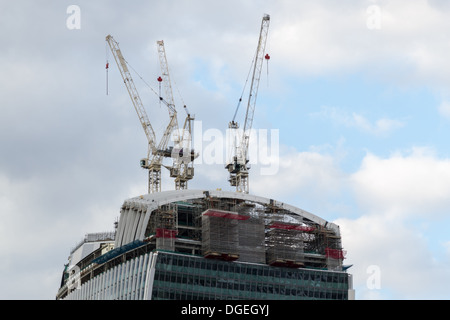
(233, 280)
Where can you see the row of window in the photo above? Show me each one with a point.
(187, 277)
(215, 268)
(241, 290)
(174, 294)
(162, 291)
(191, 276)
(177, 277)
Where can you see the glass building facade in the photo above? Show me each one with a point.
(183, 277)
(172, 276)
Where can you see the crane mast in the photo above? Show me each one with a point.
(183, 169)
(154, 158)
(237, 167)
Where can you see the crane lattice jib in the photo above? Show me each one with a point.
(179, 168)
(254, 86)
(165, 76)
(137, 103)
(173, 124)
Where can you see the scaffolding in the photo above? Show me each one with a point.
(235, 229)
(220, 234)
(163, 226)
(252, 240)
(285, 245)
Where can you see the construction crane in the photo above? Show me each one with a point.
(183, 156)
(238, 164)
(155, 154)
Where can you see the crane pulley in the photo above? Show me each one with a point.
(237, 166)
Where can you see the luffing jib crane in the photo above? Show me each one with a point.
(238, 165)
(155, 153)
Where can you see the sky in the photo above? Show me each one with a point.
(352, 121)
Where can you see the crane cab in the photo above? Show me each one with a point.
(144, 163)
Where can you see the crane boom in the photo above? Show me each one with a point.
(173, 123)
(165, 75)
(237, 167)
(255, 84)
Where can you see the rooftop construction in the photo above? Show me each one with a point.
(226, 229)
(231, 226)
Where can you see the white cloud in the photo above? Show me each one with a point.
(418, 183)
(326, 37)
(407, 268)
(444, 109)
(381, 127)
(447, 248)
(305, 174)
(392, 193)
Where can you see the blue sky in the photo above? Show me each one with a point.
(358, 91)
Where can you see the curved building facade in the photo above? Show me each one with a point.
(195, 244)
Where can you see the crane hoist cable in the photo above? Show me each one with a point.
(243, 90)
(267, 58)
(107, 65)
(145, 82)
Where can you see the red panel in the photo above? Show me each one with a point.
(225, 214)
(279, 225)
(334, 253)
(165, 233)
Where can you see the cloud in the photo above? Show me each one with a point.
(382, 207)
(417, 183)
(381, 127)
(444, 109)
(326, 37)
(397, 197)
(406, 267)
(309, 179)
